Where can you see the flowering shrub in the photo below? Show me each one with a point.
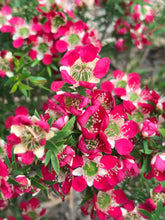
(100, 134)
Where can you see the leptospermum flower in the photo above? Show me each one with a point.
(118, 131)
(5, 16)
(71, 35)
(31, 209)
(83, 67)
(72, 102)
(110, 204)
(91, 120)
(24, 185)
(157, 167)
(5, 189)
(6, 64)
(31, 134)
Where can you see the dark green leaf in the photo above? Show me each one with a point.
(7, 161)
(145, 213)
(35, 183)
(48, 156)
(55, 163)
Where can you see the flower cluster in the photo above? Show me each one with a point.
(133, 25)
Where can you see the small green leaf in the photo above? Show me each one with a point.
(145, 213)
(37, 80)
(48, 156)
(35, 183)
(36, 114)
(55, 163)
(51, 146)
(39, 173)
(49, 71)
(50, 121)
(14, 88)
(7, 161)
(44, 9)
(35, 63)
(13, 181)
(162, 131)
(146, 150)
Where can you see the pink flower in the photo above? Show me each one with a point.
(31, 208)
(83, 65)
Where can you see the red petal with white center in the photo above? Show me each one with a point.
(120, 92)
(118, 112)
(43, 125)
(115, 212)
(47, 59)
(67, 78)
(34, 203)
(3, 170)
(18, 43)
(56, 85)
(61, 46)
(129, 106)
(120, 196)
(134, 81)
(47, 175)
(5, 10)
(6, 28)
(33, 54)
(130, 129)
(87, 84)
(129, 205)
(13, 139)
(118, 74)
(101, 68)
(21, 110)
(77, 161)
(17, 21)
(22, 119)
(107, 86)
(47, 26)
(9, 122)
(123, 146)
(160, 162)
(27, 158)
(108, 162)
(66, 185)
(5, 189)
(100, 182)
(69, 58)
(79, 184)
(88, 53)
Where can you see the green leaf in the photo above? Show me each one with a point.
(49, 71)
(163, 183)
(37, 80)
(35, 63)
(146, 150)
(48, 156)
(7, 161)
(67, 88)
(145, 213)
(36, 114)
(81, 91)
(69, 124)
(24, 87)
(51, 146)
(14, 88)
(55, 163)
(44, 9)
(13, 181)
(39, 173)
(162, 131)
(50, 121)
(54, 67)
(35, 183)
